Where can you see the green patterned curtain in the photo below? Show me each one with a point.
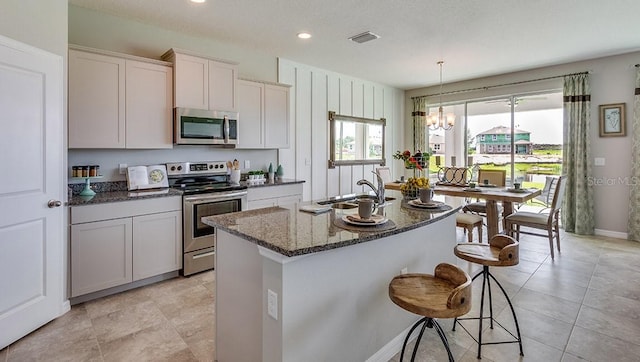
(634, 202)
(577, 212)
(419, 116)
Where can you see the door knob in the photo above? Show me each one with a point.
(54, 203)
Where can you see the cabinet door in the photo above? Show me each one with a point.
(276, 116)
(148, 105)
(222, 86)
(191, 82)
(250, 110)
(96, 101)
(100, 255)
(157, 244)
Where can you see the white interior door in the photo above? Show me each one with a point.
(32, 257)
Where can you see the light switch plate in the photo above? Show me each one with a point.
(122, 168)
(599, 161)
(247, 164)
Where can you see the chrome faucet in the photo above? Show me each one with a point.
(379, 191)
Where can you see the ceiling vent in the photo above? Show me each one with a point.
(364, 37)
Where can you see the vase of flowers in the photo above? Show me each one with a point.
(417, 161)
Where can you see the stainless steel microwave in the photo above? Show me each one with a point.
(203, 127)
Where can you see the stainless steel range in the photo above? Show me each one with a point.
(207, 192)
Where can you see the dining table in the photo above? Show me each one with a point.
(492, 195)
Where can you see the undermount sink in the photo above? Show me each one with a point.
(386, 198)
(344, 205)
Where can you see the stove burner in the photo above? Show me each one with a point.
(195, 178)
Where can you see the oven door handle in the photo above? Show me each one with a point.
(195, 200)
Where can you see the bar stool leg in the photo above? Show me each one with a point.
(443, 337)
(515, 319)
(485, 271)
(406, 340)
(415, 348)
(485, 281)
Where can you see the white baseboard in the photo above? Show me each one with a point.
(611, 234)
(65, 307)
(389, 350)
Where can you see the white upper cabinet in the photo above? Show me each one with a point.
(149, 108)
(96, 100)
(203, 83)
(118, 101)
(264, 115)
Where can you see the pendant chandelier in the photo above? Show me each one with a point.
(436, 121)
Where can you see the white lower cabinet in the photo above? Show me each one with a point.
(118, 243)
(101, 255)
(276, 195)
(155, 250)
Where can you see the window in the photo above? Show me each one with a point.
(530, 141)
(356, 141)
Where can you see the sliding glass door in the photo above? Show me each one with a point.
(521, 134)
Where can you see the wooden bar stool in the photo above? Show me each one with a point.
(502, 250)
(468, 222)
(446, 294)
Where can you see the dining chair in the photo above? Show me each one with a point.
(549, 221)
(494, 177)
(546, 197)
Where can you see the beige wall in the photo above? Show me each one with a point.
(40, 23)
(612, 81)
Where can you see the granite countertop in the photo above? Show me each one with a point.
(117, 196)
(117, 191)
(292, 232)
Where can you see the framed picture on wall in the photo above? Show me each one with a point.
(612, 120)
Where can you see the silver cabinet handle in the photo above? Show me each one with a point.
(204, 255)
(54, 203)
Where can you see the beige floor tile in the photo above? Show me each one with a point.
(596, 347)
(568, 357)
(549, 331)
(185, 300)
(3, 354)
(627, 288)
(621, 306)
(113, 303)
(558, 288)
(567, 262)
(564, 276)
(126, 321)
(68, 338)
(547, 305)
(610, 323)
(533, 351)
(159, 342)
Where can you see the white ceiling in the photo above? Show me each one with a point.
(474, 38)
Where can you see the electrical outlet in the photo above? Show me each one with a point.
(272, 304)
(599, 161)
(404, 270)
(247, 164)
(123, 168)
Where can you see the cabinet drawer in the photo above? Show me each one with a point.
(268, 192)
(90, 213)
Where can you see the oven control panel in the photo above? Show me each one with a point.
(195, 168)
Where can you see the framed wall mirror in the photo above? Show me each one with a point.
(356, 141)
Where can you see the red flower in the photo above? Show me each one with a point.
(415, 162)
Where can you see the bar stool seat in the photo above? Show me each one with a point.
(501, 251)
(446, 294)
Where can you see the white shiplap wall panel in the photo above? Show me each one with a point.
(287, 157)
(333, 104)
(314, 92)
(303, 129)
(357, 98)
(319, 136)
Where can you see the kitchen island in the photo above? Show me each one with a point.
(298, 286)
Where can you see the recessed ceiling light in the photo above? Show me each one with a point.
(198, 1)
(304, 35)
